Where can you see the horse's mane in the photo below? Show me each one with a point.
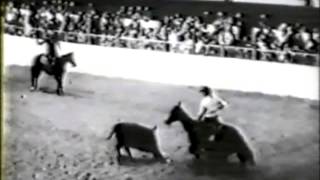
(186, 111)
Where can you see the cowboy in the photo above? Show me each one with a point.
(51, 42)
(208, 117)
(210, 105)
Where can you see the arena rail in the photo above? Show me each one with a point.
(175, 68)
(288, 56)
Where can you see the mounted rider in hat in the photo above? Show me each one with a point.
(210, 105)
(52, 42)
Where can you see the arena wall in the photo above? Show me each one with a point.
(179, 69)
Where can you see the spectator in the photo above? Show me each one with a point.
(60, 18)
(173, 39)
(226, 37)
(302, 38)
(188, 44)
(25, 13)
(103, 23)
(281, 35)
(199, 47)
(316, 35)
(12, 13)
(236, 31)
(218, 22)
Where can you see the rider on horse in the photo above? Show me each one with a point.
(210, 105)
(51, 40)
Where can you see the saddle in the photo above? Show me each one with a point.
(207, 130)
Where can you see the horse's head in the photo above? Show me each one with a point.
(174, 114)
(70, 58)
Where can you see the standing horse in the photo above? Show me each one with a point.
(227, 139)
(57, 70)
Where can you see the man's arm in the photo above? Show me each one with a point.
(202, 112)
(222, 104)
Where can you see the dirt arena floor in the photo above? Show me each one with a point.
(63, 138)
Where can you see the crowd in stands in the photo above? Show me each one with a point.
(129, 26)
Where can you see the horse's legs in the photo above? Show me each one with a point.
(128, 152)
(59, 85)
(193, 149)
(246, 158)
(34, 78)
(157, 154)
(118, 147)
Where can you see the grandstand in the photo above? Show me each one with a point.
(305, 15)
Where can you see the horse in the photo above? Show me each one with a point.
(57, 70)
(227, 139)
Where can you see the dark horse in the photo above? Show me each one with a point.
(227, 139)
(57, 70)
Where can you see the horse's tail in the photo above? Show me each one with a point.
(111, 133)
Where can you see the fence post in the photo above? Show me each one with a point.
(254, 54)
(222, 51)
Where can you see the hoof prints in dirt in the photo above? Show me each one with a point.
(54, 165)
(143, 161)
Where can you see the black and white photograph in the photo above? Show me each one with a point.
(160, 89)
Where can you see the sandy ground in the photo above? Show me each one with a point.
(63, 138)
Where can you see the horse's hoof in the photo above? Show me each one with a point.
(60, 94)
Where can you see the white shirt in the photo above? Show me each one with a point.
(199, 46)
(225, 38)
(316, 36)
(280, 35)
(211, 29)
(211, 103)
(305, 36)
(26, 15)
(186, 46)
(236, 31)
(48, 15)
(74, 17)
(60, 17)
(126, 22)
(173, 38)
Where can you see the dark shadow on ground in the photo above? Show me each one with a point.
(138, 161)
(53, 91)
(218, 168)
